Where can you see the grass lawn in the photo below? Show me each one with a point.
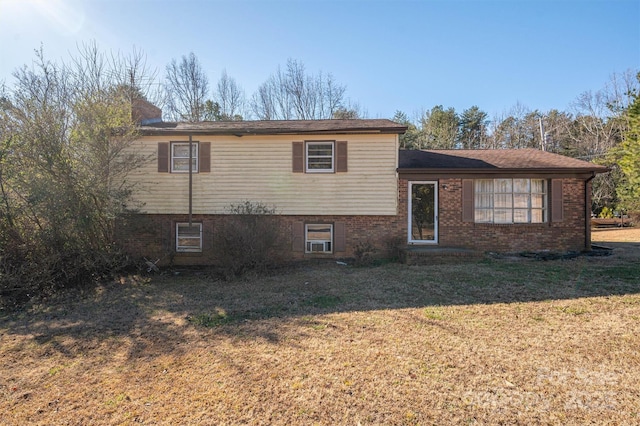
(495, 341)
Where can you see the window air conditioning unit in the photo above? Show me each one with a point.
(318, 246)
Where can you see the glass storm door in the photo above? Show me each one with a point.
(423, 208)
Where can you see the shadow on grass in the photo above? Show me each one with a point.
(148, 316)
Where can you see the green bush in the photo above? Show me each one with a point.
(606, 213)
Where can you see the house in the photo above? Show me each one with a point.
(339, 186)
(497, 200)
(333, 183)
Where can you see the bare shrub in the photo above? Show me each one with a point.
(393, 247)
(249, 239)
(364, 253)
(41, 267)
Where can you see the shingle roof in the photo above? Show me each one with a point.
(491, 160)
(275, 127)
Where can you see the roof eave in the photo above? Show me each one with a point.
(265, 132)
(497, 170)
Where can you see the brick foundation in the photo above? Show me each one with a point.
(153, 236)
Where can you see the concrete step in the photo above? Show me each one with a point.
(425, 255)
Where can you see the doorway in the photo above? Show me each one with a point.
(423, 212)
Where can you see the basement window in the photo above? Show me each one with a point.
(318, 238)
(189, 237)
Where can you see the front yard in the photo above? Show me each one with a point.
(497, 341)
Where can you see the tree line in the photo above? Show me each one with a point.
(288, 94)
(593, 125)
(601, 126)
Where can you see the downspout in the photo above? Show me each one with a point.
(587, 212)
(190, 180)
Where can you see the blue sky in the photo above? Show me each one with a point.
(392, 55)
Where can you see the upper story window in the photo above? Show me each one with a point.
(320, 157)
(173, 157)
(180, 157)
(510, 201)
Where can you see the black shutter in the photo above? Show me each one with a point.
(163, 157)
(298, 157)
(297, 239)
(557, 203)
(341, 157)
(204, 162)
(467, 200)
(339, 237)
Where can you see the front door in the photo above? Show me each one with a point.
(423, 212)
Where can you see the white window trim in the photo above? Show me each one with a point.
(196, 157)
(308, 243)
(189, 249)
(530, 209)
(307, 156)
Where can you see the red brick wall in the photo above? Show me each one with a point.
(555, 236)
(153, 236)
(142, 110)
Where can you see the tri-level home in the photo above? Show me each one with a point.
(337, 185)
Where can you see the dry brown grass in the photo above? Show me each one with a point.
(491, 342)
(620, 235)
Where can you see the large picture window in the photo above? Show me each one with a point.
(320, 157)
(180, 157)
(319, 238)
(510, 201)
(189, 237)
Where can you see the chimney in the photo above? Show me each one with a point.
(144, 112)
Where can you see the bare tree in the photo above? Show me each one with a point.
(592, 133)
(271, 101)
(346, 114)
(133, 73)
(556, 125)
(229, 97)
(186, 87)
(294, 94)
(519, 129)
(600, 119)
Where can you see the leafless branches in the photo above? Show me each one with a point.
(294, 94)
(187, 88)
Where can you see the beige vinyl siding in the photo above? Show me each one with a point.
(259, 169)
